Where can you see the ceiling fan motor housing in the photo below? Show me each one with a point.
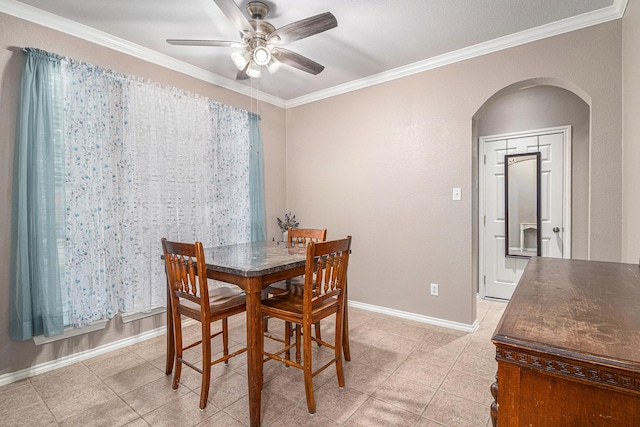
(257, 10)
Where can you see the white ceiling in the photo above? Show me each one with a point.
(374, 41)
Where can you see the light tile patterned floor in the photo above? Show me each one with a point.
(402, 373)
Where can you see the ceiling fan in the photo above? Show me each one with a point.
(261, 41)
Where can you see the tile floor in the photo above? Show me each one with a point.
(402, 373)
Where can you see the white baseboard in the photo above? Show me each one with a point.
(73, 358)
(417, 317)
(87, 354)
(131, 317)
(70, 331)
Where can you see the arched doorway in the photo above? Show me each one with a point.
(525, 106)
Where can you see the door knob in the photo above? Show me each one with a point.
(556, 229)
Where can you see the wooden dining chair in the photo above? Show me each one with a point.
(302, 236)
(322, 296)
(191, 297)
(296, 237)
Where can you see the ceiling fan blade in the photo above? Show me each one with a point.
(235, 15)
(186, 42)
(297, 61)
(304, 28)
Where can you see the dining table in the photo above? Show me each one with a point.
(253, 266)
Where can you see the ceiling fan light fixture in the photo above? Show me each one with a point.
(241, 58)
(273, 66)
(261, 55)
(253, 70)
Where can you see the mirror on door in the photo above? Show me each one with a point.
(522, 205)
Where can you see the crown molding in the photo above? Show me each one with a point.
(610, 13)
(46, 19)
(67, 26)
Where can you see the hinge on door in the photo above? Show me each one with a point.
(485, 159)
(485, 220)
(484, 279)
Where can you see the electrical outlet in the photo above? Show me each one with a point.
(434, 289)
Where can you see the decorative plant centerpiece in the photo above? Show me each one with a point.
(288, 222)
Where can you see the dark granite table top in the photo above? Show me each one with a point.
(254, 259)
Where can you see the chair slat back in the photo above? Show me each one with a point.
(186, 272)
(329, 261)
(302, 236)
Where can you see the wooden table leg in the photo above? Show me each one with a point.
(254, 348)
(171, 351)
(345, 326)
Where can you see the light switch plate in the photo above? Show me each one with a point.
(457, 194)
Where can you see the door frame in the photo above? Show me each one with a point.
(566, 192)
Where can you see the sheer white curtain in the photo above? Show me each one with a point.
(144, 162)
(105, 165)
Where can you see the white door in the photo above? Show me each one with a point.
(500, 274)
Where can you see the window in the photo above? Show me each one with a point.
(131, 162)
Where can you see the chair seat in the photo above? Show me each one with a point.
(293, 303)
(293, 286)
(222, 294)
(220, 300)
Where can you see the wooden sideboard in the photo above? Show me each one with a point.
(568, 347)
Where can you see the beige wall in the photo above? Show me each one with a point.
(15, 34)
(631, 146)
(380, 164)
